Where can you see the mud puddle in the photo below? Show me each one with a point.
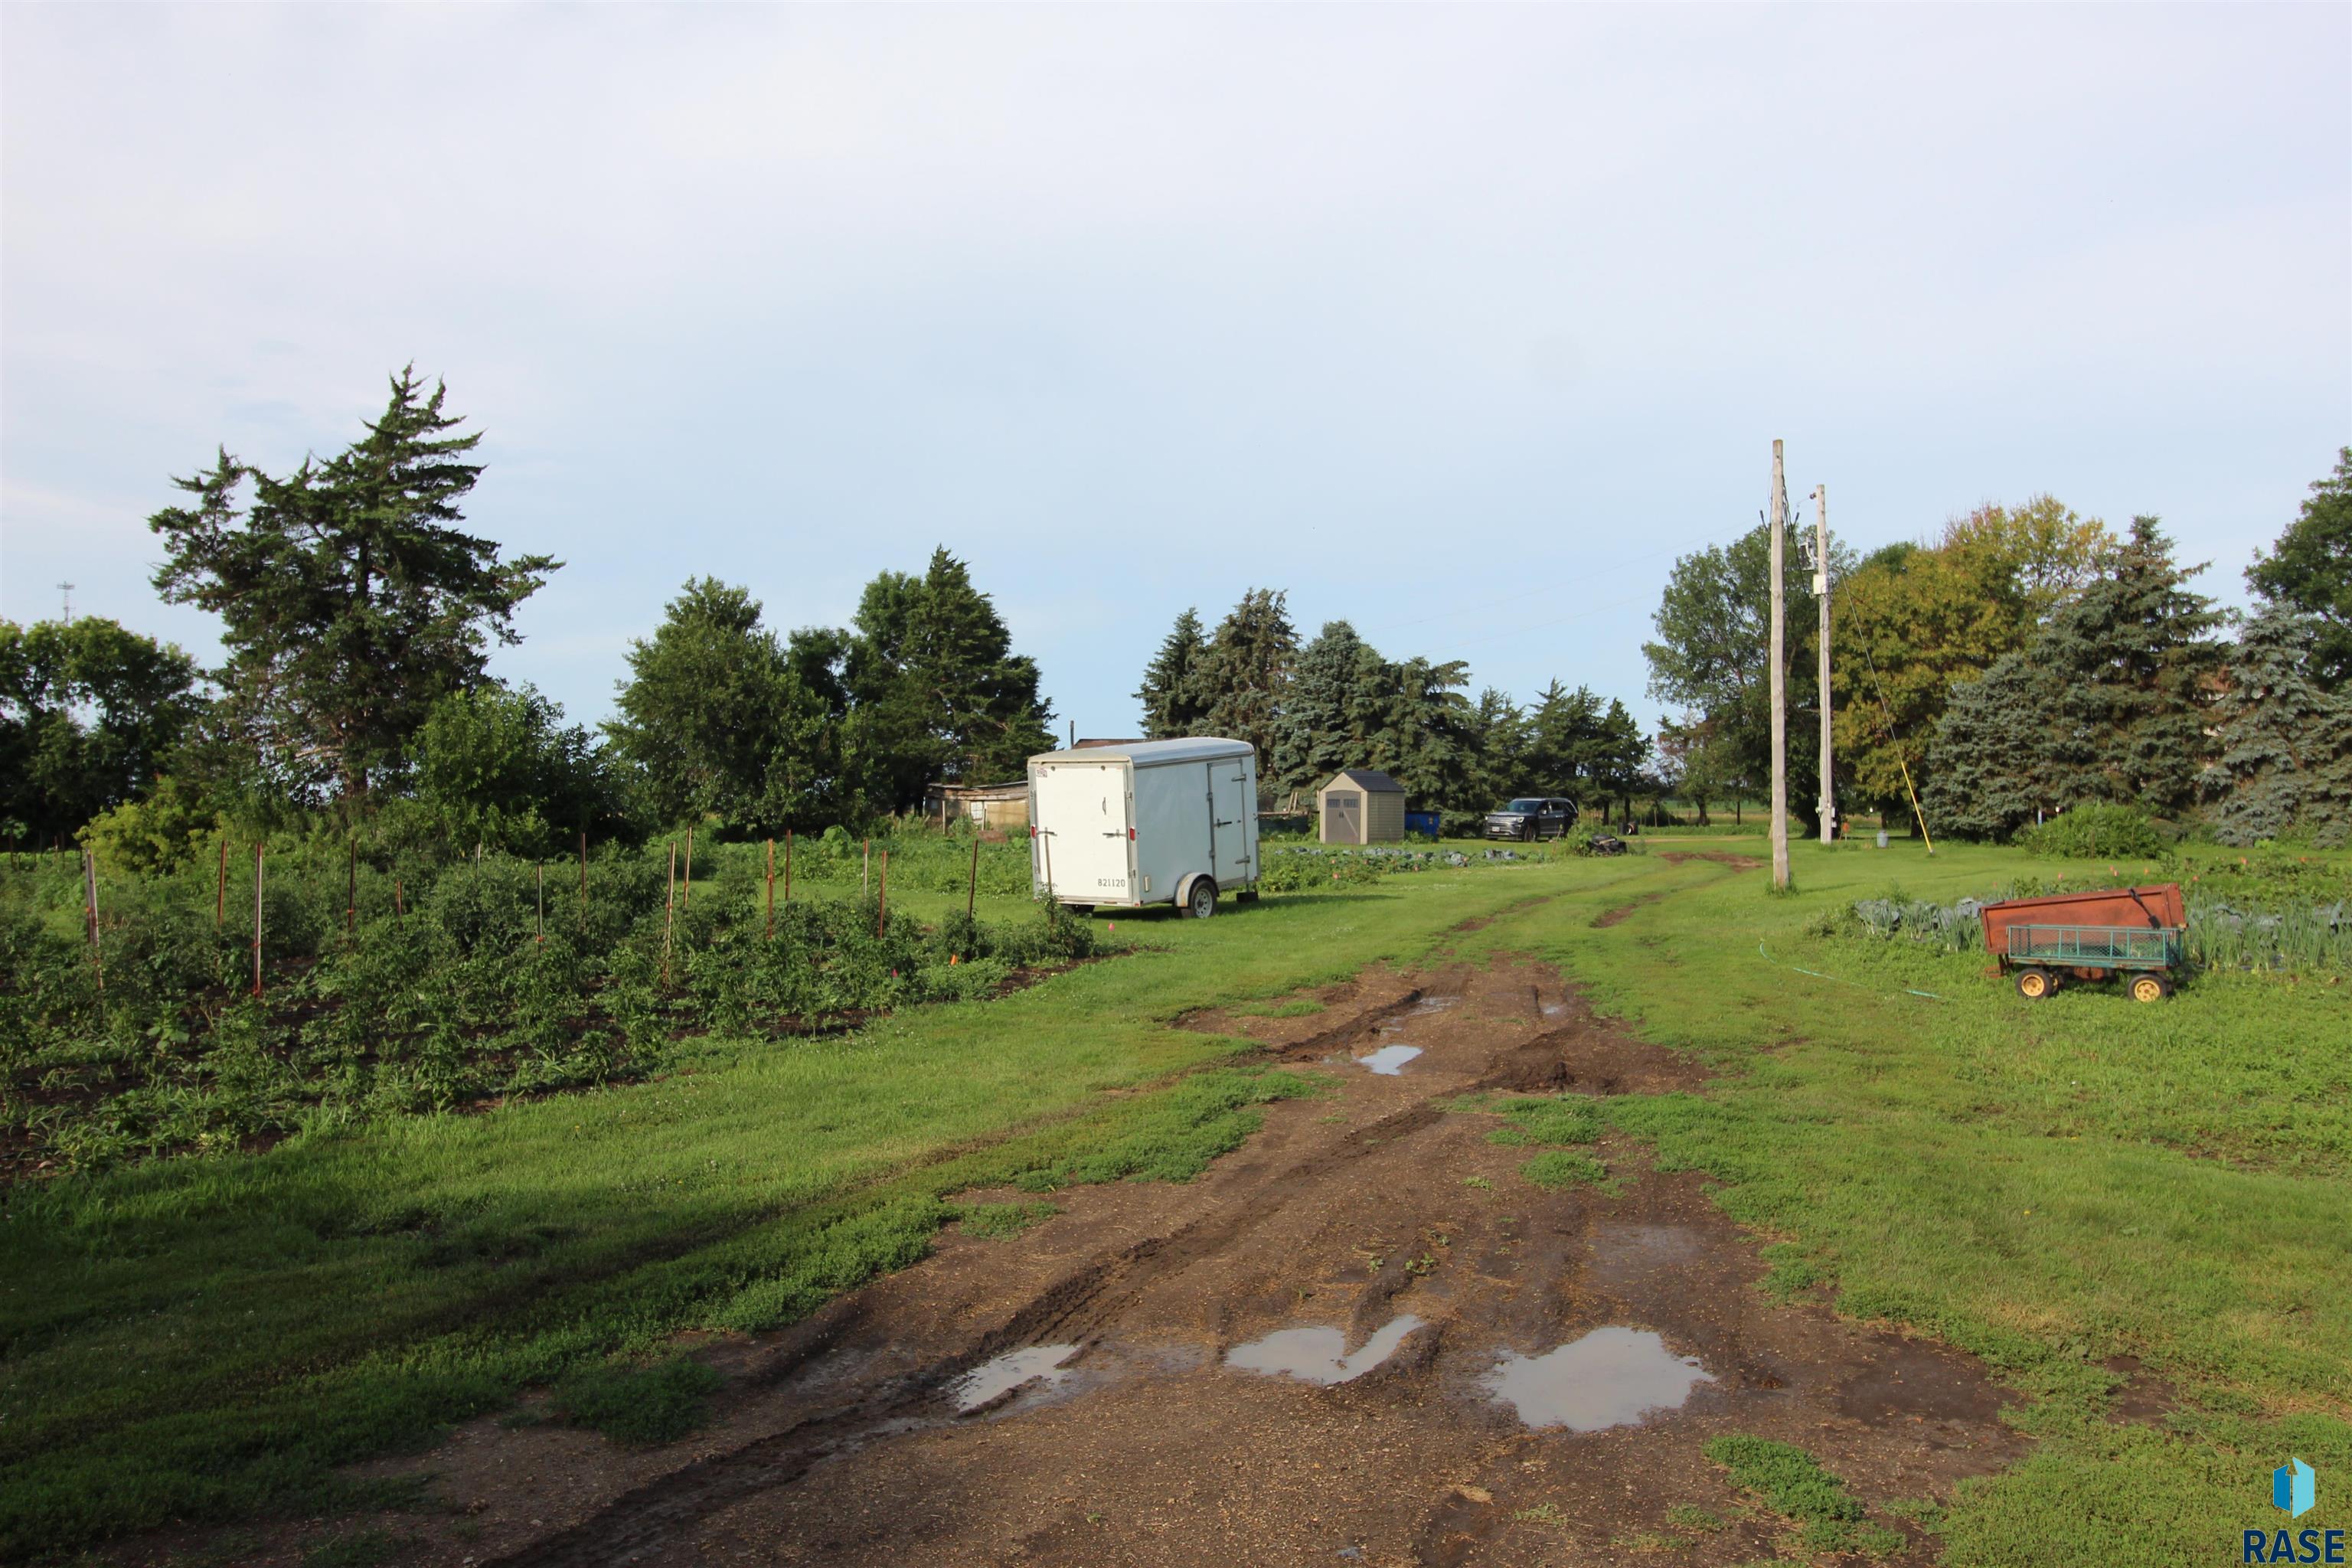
(1014, 1369)
(1614, 1376)
(1388, 1060)
(1166, 1373)
(1317, 1355)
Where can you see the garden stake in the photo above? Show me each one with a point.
(220, 892)
(669, 916)
(689, 898)
(771, 890)
(257, 921)
(882, 899)
(971, 891)
(90, 890)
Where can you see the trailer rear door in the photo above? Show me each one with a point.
(1081, 816)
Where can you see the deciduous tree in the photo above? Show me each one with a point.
(89, 716)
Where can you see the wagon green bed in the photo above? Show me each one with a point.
(2043, 949)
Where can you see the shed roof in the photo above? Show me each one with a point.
(1143, 753)
(1366, 779)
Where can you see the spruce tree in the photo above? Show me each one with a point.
(1246, 677)
(2284, 739)
(1427, 738)
(2109, 705)
(2310, 570)
(1170, 690)
(1993, 766)
(1500, 739)
(1330, 711)
(2138, 656)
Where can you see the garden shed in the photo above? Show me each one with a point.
(1360, 806)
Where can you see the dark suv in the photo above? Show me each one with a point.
(1542, 817)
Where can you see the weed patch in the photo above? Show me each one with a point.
(637, 1404)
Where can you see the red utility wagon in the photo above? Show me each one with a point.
(2090, 935)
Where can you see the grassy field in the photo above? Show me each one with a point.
(2049, 1185)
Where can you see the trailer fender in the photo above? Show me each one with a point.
(1187, 884)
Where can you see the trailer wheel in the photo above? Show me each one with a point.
(2033, 984)
(1201, 902)
(2150, 988)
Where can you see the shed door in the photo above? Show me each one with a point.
(1343, 816)
(1229, 788)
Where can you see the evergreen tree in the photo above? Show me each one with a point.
(1426, 738)
(1170, 690)
(1247, 676)
(2286, 740)
(1993, 766)
(2138, 648)
(2311, 571)
(940, 691)
(350, 601)
(2109, 705)
(1330, 711)
(1620, 752)
(1500, 739)
(1557, 725)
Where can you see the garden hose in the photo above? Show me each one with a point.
(1842, 980)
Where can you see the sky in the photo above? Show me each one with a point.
(1460, 323)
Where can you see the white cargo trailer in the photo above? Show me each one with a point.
(1158, 822)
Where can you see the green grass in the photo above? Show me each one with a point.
(2046, 1184)
(994, 1222)
(206, 1338)
(1563, 1168)
(639, 1403)
(1793, 1485)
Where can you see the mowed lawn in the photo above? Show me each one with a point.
(2048, 1185)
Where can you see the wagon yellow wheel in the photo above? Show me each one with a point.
(2149, 988)
(2033, 984)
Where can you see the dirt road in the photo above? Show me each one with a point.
(1364, 1337)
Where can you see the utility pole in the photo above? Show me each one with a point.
(1821, 594)
(1780, 824)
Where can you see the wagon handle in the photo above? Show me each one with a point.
(2152, 923)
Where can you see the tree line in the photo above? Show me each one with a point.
(2027, 661)
(1334, 702)
(357, 618)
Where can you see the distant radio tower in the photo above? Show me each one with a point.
(67, 589)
